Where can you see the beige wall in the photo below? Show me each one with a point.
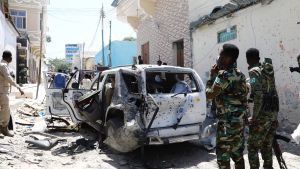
(33, 10)
(168, 25)
(273, 29)
(89, 63)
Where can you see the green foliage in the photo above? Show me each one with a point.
(60, 64)
(129, 39)
(48, 39)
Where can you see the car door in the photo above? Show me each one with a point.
(78, 86)
(54, 96)
(91, 105)
(176, 109)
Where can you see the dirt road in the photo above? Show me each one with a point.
(185, 155)
(15, 154)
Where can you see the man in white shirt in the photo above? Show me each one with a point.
(5, 81)
(86, 82)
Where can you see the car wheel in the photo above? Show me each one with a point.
(112, 125)
(118, 138)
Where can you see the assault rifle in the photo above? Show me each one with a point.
(277, 150)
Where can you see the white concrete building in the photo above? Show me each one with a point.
(162, 28)
(272, 26)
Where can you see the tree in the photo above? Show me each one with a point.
(129, 39)
(60, 64)
(48, 39)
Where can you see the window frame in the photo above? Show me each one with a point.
(191, 75)
(232, 28)
(128, 85)
(16, 16)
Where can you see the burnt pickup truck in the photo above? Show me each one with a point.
(133, 106)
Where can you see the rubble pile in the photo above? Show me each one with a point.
(28, 113)
(40, 137)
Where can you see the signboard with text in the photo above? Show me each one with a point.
(73, 52)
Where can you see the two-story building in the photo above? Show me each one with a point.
(27, 17)
(272, 26)
(162, 29)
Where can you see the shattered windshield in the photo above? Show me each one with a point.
(169, 82)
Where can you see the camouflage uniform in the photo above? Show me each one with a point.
(265, 111)
(230, 92)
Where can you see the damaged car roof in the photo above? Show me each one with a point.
(147, 67)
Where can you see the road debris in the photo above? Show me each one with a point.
(296, 135)
(33, 160)
(39, 154)
(40, 125)
(42, 144)
(79, 146)
(3, 150)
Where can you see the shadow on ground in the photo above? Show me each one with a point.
(183, 155)
(291, 148)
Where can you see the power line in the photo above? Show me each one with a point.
(95, 34)
(64, 20)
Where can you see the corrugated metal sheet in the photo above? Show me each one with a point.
(233, 6)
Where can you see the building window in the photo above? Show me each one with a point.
(19, 18)
(227, 34)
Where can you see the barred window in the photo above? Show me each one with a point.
(227, 34)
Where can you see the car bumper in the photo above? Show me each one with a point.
(170, 135)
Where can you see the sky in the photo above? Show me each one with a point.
(75, 21)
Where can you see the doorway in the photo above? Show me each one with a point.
(145, 53)
(179, 47)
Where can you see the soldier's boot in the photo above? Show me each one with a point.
(240, 164)
(6, 132)
(224, 165)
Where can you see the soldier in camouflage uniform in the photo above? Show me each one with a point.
(230, 92)
(263, 121)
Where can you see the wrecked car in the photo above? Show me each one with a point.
(134, 106)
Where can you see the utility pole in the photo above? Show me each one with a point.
(41, 53)
(110, 53)
(102, 16)
(82, 57)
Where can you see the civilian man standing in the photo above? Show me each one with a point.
(5, 81)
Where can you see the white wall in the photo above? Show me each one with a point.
(273, 29)
(8, 41)
(2, 33)
(11, 44)
(198, 8)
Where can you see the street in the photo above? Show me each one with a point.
(92, 84)
(68, 156)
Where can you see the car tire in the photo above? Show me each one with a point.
(112, 125)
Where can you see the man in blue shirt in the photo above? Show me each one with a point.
(181, 86)
(60, 80)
